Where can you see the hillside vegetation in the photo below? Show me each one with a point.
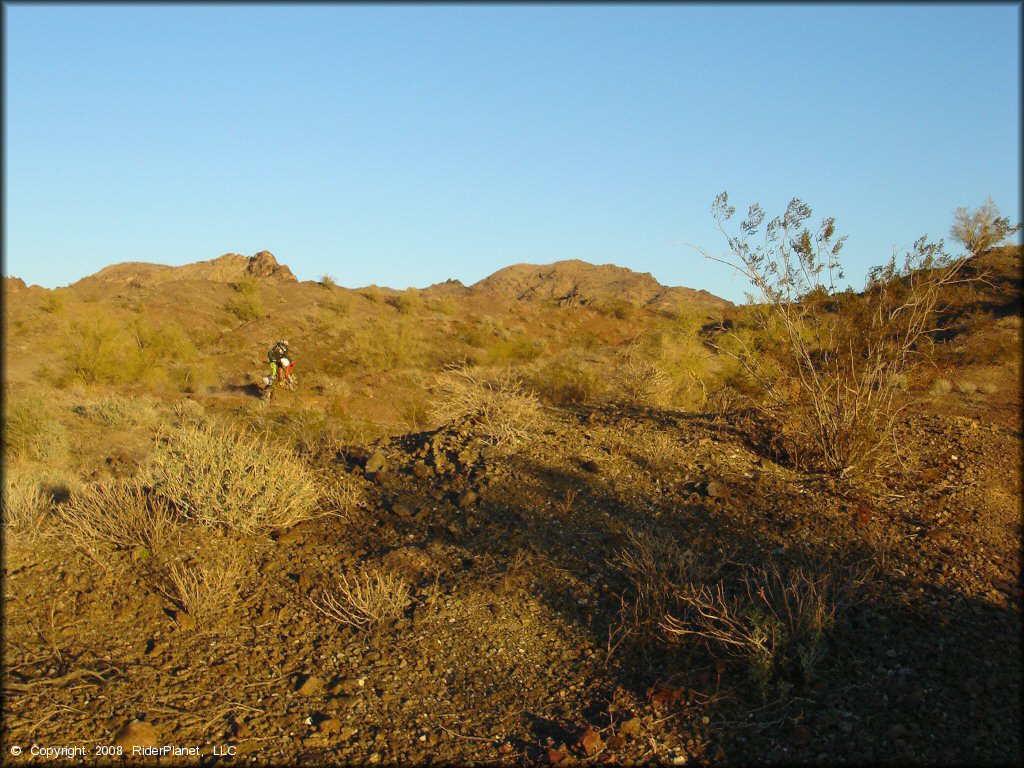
(566, 515)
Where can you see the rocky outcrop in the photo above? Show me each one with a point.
(263, 264)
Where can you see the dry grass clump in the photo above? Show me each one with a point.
(25, 509)
(220, 477)
(652, 564)
(202, 586)
(119, 514)
(341, 494)
(114, 410)
(189, 411)
(776, 619)
(500, 406)
(31, 429)
(369, 599)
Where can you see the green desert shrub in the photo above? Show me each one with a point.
(828, 361)
(409, 302)
(245, 306)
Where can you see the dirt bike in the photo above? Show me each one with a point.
(284, 378)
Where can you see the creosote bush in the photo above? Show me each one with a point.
(221, 477)
(500, 406)
(982, 228)
(826, 363)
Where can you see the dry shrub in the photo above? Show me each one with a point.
(639, 378)
(203, 586)
(369, 599)
(500, 406)
(119, 514)
(221, 477)
(341, 494)
(563, 383)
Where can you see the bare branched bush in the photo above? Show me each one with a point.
(502, 408)
(119, 514)
(828, 364)
(369, 599)
(776, 619)
(221, 477)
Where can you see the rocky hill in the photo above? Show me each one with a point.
(577, 283)
(226, 268)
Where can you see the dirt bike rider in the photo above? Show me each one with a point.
(279, 361)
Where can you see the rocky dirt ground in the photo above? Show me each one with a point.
(515, 648)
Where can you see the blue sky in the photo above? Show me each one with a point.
(404, 144)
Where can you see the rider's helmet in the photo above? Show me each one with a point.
(283, 344)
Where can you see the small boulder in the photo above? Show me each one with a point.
(136, 734)
(376, 462)
(590, 741)
(309, 686)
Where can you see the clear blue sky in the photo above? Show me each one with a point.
(405, 144)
